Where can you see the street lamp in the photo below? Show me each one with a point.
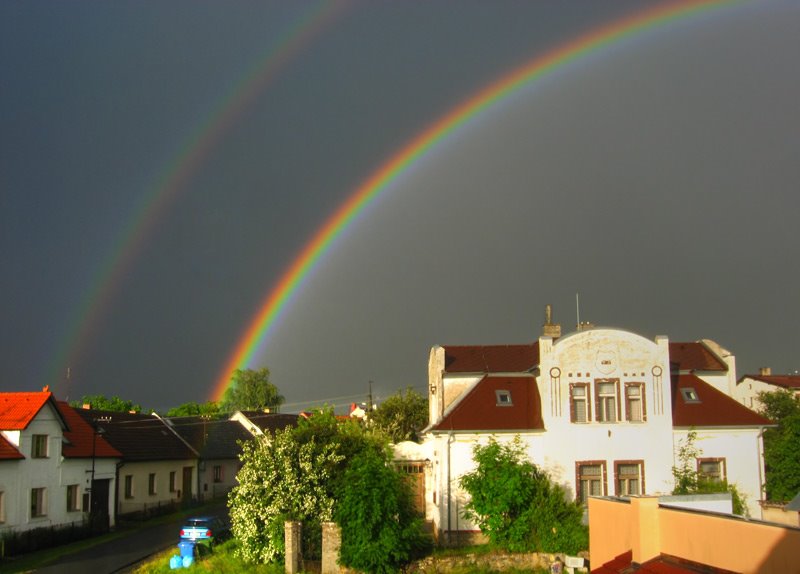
(97, 430)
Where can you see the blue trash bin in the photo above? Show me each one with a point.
(186, 548)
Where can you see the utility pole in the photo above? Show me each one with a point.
(370, 405)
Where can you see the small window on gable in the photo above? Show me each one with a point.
(503, 398)
(689, 395)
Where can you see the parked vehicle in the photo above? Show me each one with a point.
(207, 530)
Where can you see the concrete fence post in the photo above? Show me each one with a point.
(331, 543)
(292, 537)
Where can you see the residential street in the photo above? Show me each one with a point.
(120, 554)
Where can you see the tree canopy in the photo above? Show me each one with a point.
(251, 390)
(402, 416)
(102, 403)
(210, 408)
(782, 444)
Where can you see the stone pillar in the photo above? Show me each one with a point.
(331, 542)
(293, 540)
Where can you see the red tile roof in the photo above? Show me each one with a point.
(17, 410)
(491, 358)
(663, 564)
(8, 451)
(80, 438)
(784, 381)
(712, 409)
(478, 410)
(694, 357)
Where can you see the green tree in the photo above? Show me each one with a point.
(380, 529)
(210, 409)
(517, 506)
(251, 390)
(402, 416)
(782, 444)
(102, 403)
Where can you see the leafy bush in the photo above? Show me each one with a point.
(380, 529)
(517, 506)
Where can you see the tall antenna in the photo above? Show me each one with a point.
(578, 310)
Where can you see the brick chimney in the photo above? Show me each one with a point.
(550, 329)
(765, 371)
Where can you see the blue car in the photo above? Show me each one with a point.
(207, 530)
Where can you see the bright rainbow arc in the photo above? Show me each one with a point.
(133, 237)
(278, 298)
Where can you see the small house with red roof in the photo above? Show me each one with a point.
(749, 386)
(602, 410)
(46, 459)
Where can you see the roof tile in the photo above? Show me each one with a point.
(479, 409)
(81, 439)
(713, 409)
(694, 356)
(8, 451)
(491, 358)
(17, 410)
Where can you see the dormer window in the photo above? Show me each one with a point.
(503, 398)
(690, 395)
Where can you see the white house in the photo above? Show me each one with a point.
(46, 460)
(602, 410)
(748, 387)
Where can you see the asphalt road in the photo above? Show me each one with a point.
(120, 554)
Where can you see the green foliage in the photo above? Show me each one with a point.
(281, 479)
(689, 481)
(779, 405)
(402, 415)
(102, 403)
(292, 476)
(782, 444)
(211, 409)
(380, 530)
(251, 390)
(517, 506)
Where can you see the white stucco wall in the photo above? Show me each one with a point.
(142, 500)
(743, 453)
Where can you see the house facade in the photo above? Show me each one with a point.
(157, 470)
(601, 410)
(47, 459)
(749, 386)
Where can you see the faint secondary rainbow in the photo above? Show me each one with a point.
(131, 239)
(320, 243)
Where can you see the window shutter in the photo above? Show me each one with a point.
(572, 414)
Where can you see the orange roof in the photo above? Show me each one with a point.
(695, 403)
(481, 408)
(80, 440)
(17, 410)
(8, 451)
(694, 357)
(491, 358)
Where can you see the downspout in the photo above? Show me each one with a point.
(449, 514)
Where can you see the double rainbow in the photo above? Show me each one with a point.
(278, 298)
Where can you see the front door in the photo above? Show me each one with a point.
(99, 506)
(187, 484)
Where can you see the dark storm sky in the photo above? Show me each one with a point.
(657, 177)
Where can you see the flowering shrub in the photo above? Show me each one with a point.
(281, 479)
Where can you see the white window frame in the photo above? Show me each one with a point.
(580, 407)
(622, 481)
(631, 398)
(582, 479)
(604, 400)
(151, 484)
(720, 462)
(38, 502)
(40, 446)
(73, 498)
(129, 490)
